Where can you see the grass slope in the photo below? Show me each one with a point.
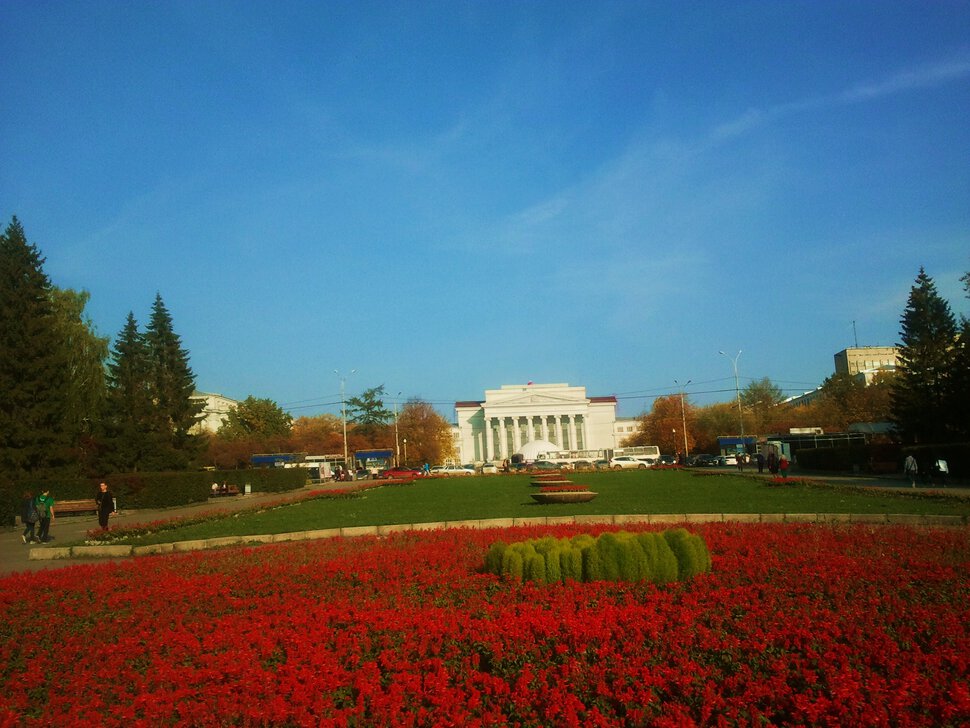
(631, 492)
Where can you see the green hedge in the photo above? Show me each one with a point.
(835, 459)
(613, 556)
(151, 490)
(957, 456)
(885, 458)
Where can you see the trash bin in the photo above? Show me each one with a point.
(247, 489)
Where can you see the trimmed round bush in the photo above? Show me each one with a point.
(658, 558)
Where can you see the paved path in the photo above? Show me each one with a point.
(14, 554)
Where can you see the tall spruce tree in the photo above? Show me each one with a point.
(130, 422)
(173, 385)
(960, 378)
(920, 404)
(34, 381)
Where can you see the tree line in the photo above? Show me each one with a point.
(261, 425)
(925, 399)
(73, 405)
(70, 406)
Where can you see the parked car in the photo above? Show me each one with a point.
(401, 472)
(452, 470)
(667, 460)
(601, 464)
(626, 462)
(728, 460)
(705, 461)
(545, 465)
(489, 469)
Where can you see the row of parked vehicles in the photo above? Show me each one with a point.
(620, 462)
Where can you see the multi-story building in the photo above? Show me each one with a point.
(866, 361)
(216, 411)
(557, 416)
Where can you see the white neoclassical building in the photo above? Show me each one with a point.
(550, 416)
(215, 412)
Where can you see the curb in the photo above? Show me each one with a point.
(121, 551)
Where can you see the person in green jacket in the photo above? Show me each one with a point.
(45, 509)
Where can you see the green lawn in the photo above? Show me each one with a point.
(631, 492)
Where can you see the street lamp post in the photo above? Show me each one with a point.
(737, 389)
(343, 408)
(405, 451)
(397, 444)
(683, 414)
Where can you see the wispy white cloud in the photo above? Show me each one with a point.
(926, 76)
(909, 80)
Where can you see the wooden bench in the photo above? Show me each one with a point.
(231, 490)
(75, 507)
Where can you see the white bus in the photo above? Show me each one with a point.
(580, 459)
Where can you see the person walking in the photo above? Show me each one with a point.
(911, 469)
(783, 467)
(106, 505)
(45, 512)
(28, 516)
(761, 462)
(942, 470)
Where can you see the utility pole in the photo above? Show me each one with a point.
(683, 413)
(737, 389)
(397, 442)
(343, 408)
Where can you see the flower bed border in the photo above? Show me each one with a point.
(117, 550)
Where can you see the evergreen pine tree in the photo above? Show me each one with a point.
(34, 438)
(920, 404)
(173, 385)
(959, 395)
(131, 423)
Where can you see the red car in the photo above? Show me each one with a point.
(401, 473)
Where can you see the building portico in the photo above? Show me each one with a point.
(515, 415)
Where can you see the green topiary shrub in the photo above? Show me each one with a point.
(659, 558)
(661, 562)
(691, 552)
(493, 559)
(553, 564)
(512, 565)
(535, 568)
(571, 563)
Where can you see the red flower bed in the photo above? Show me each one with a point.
(797, 624)
(564, 488)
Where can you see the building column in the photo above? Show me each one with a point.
(516, 434)
(503, 439)
(545, 428)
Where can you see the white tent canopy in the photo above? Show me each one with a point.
(531, 450)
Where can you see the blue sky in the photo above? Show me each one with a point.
(451, 196)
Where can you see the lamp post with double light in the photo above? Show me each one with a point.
(683, 414)
(737, 389)
(343, 407)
